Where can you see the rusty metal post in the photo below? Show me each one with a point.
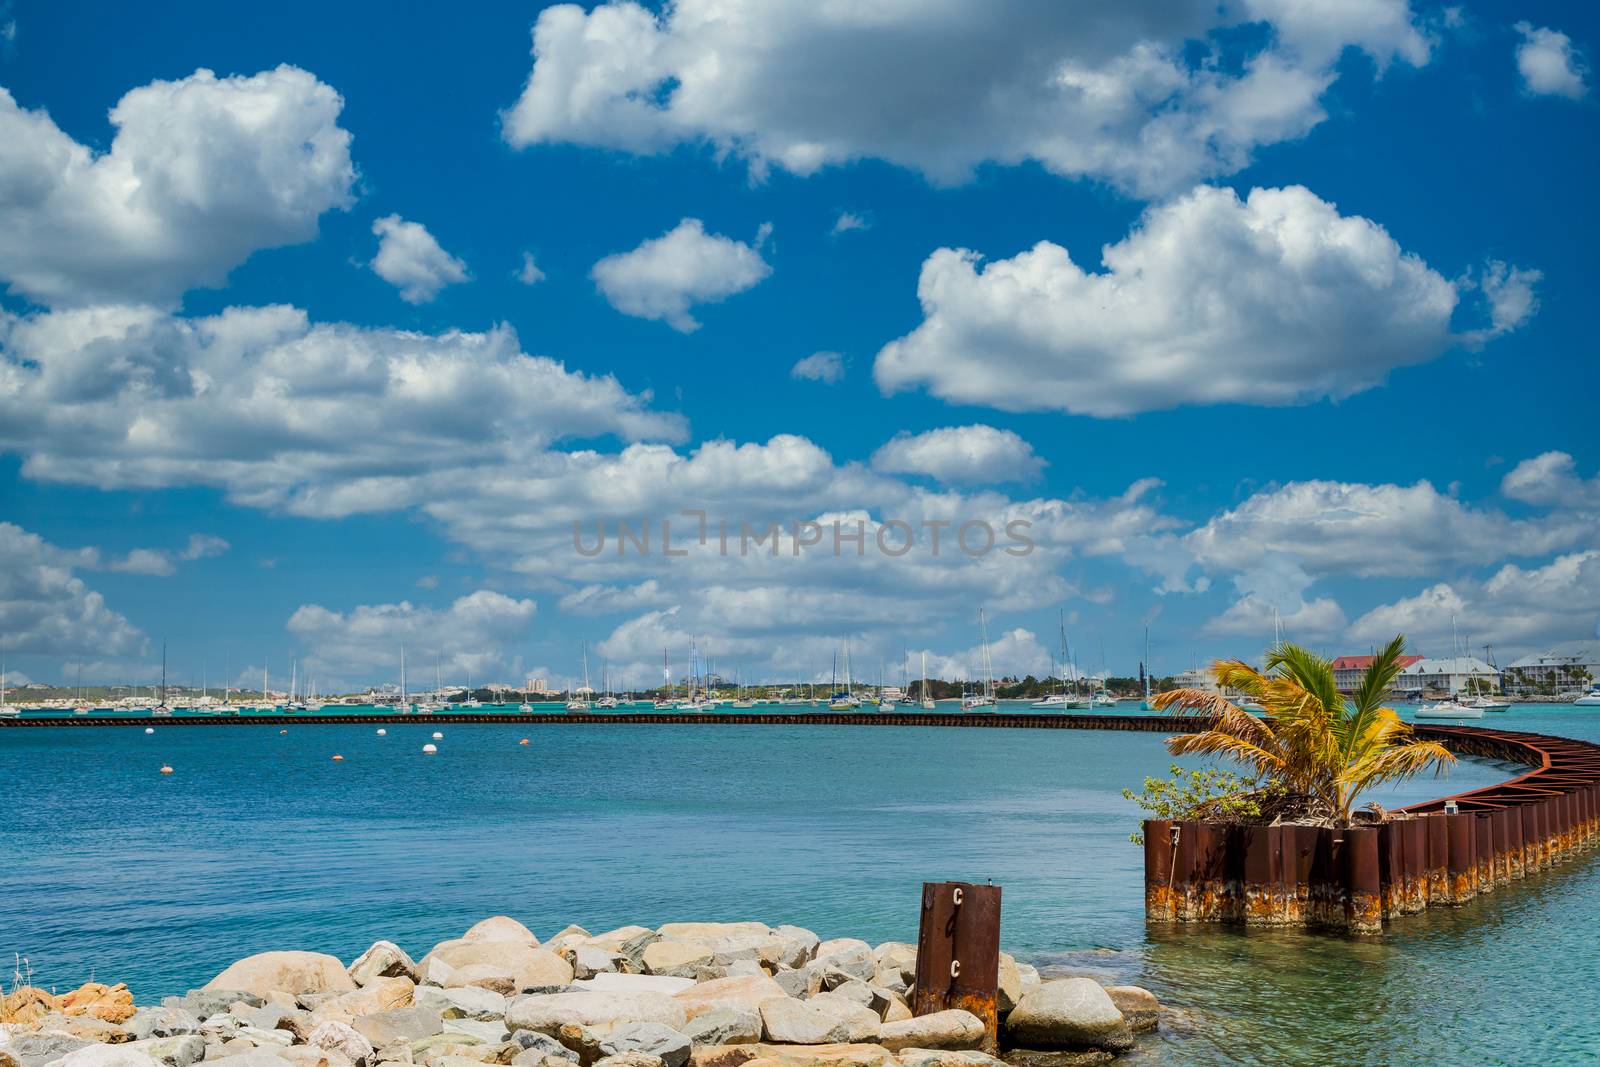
(1438, 859)
(1483, 842)
(1416, 857)
(958, 953)
(1461, 859)
(1363, 898)
(1160, 849)
(1516, 842)
(1261, 860)
(1391, 868)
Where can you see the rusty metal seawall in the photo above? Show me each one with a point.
(1356, 879)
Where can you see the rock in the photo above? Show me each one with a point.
(1058, 1058)
(744, 969)
(748, 991)
(85, 1027)
(712, 931)
(107, 1056)
(622, 935)
(402, 1025)
(529, 966)
(630, 1059)
(179, 1050)
(795, 1022)
(534, 1041)
(946, 1057)
(489, 1031)
(204, 1003)
(634, 983)
(952, 1029)
(666, 1044)
(861, 1022)
(842, 946)
(1139, 1007)
(345, 1040)
(590, 960)
(534, 1058)
(831, 1055)
(26, 1004)
(161, 1022)
(384, 959)
(725, 1026)
(500, 928)
(676, 958)
(597, 1012)
(1030, 978)
(263, 1036)
(112, 1004)
(573, 930)
(378, 995)
(311, 1056)
(463, 1002)
(292, 972)
(807, 940)
(898, 955)
(36, 1050)
(1070, 1013)
(1010, 992)
(800, 983)
(482, 976)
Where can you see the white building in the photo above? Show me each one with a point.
(1453, 674)
(1571, 666)
(1195, 678)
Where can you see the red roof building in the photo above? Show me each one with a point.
(1347, 670)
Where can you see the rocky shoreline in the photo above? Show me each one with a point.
(683, 995)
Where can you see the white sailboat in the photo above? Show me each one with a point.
(1144, 672)
(1059, 701)
(985, 698)
(927, 701)
(609, 702)
(579, 700)
(845, 699)
(1448, 709)
(161, 711)
(697, 684)
(10, 711)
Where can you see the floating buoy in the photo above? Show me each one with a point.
(430, 749)
(165, 769)
(382, 732)
(149, 729)
(337, 758)
(282, 732)
(523, 741)
(437, 736)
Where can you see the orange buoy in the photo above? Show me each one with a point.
(165, 769)
(523, 741)
(337, 758)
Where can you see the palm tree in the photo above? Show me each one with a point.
(1314, 742)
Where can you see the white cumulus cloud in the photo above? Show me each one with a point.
(477, 634)
(200, 173)
(1275, 299)
(47, 610)
(665, 276)
(960, 455)
(411, 260)
(1127, 93)
(826, 367)
(316, 418)
(1548, 63)
(1552, 479)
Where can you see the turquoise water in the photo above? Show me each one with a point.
(259, 840)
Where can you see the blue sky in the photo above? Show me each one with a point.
(1361, 398)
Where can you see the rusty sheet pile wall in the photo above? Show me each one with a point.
(1357, 878)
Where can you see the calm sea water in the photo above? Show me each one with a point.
(260, 841)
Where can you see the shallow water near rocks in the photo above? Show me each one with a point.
(260, 841)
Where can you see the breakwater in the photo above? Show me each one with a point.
(995, 720)
(1439, 853)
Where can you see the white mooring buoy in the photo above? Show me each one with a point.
(429, 750)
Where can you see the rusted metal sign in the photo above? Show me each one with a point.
(958, 952)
